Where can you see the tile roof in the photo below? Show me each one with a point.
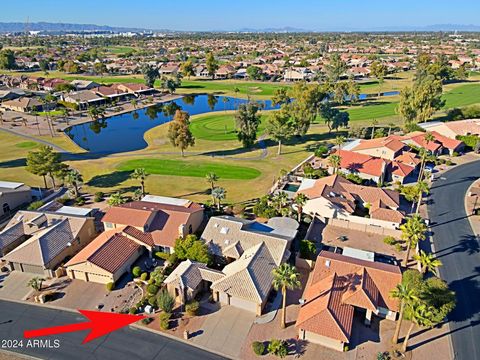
(338, 284)
(44, 246)
(109, 251)
(161, 221)
(190, 274)
(11, 234)
(360, 163)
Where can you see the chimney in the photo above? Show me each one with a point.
(181, 230)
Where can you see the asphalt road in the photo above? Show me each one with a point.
(125, 343)
(459, 250)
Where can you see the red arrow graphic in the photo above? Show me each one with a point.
(100, 324)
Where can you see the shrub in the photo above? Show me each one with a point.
(152, 289)
(390, 240)
(164, 319)
(152, 300)
(307, 249)
(110, 286)
(132, 310)
(321, 151)
(162, 255)
(62, 200)
(277, 348)
(258, 348)
(398, 247)
(192, 308)
(79, 201)
(165, 301)
(346, 348)
(455, 154)
(98, 196)
(147, 321)
(35, 205)
(144, 276)
(136, 271)
(355, 179)
(449, 163)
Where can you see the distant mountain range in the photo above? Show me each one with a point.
(65, 28)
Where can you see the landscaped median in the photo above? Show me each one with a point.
(190, 168)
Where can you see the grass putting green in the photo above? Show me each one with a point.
(27, 145)
(190, 168)
(219, 127)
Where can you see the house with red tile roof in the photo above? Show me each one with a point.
(334, 197)
(338, 287)
(452, 129)
(162, 222)
(365, 166)
(131, 230)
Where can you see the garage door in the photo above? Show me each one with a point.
(80, 275)
(101, 279)
(33, 269)
(243, 304)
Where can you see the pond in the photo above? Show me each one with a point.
(123, 133)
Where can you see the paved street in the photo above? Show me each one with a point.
(459, 250)
(122, 344)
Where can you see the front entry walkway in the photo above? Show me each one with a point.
(225, 331)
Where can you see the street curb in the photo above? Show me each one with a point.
(466, 208)
(135, 326)
(172, 337)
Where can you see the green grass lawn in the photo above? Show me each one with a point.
(463, 95)
(367, 111)
(219, 127)
(27, 145)
(50, 113)
(247, 88)
(190, 168)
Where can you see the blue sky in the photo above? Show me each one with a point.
(236, 14)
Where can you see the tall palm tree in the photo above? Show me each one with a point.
(285, 277)
(140, 174)
(335, 160)
(405, 295)
(420, 315)
(423, 189)
(74, 178)
(428, 262)
(219, 194)
(428, 139)
(212, 178)
(413, 231)
(300, 201)
(374, 124)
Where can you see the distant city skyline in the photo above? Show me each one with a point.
(211, 15)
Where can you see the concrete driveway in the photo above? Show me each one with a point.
(225, 331)
(13, 285)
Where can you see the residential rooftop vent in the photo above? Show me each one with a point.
(327, 263)
(224, 230)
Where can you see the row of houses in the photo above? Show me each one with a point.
(389, 159)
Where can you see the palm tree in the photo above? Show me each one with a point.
(212, 178)
(140, 174)
(413, 231)
(405, 295)
(36, 283)
(428, 262)
(428, 138)
(285, 277)
(219, 194)
(134, 103)
(374, 124)
(74, 178)
(335, 160)
(420, 315)
(390, 127)
(339, 141)
(115, 199)
(422, 188)
(300, 201)
(280, 199)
